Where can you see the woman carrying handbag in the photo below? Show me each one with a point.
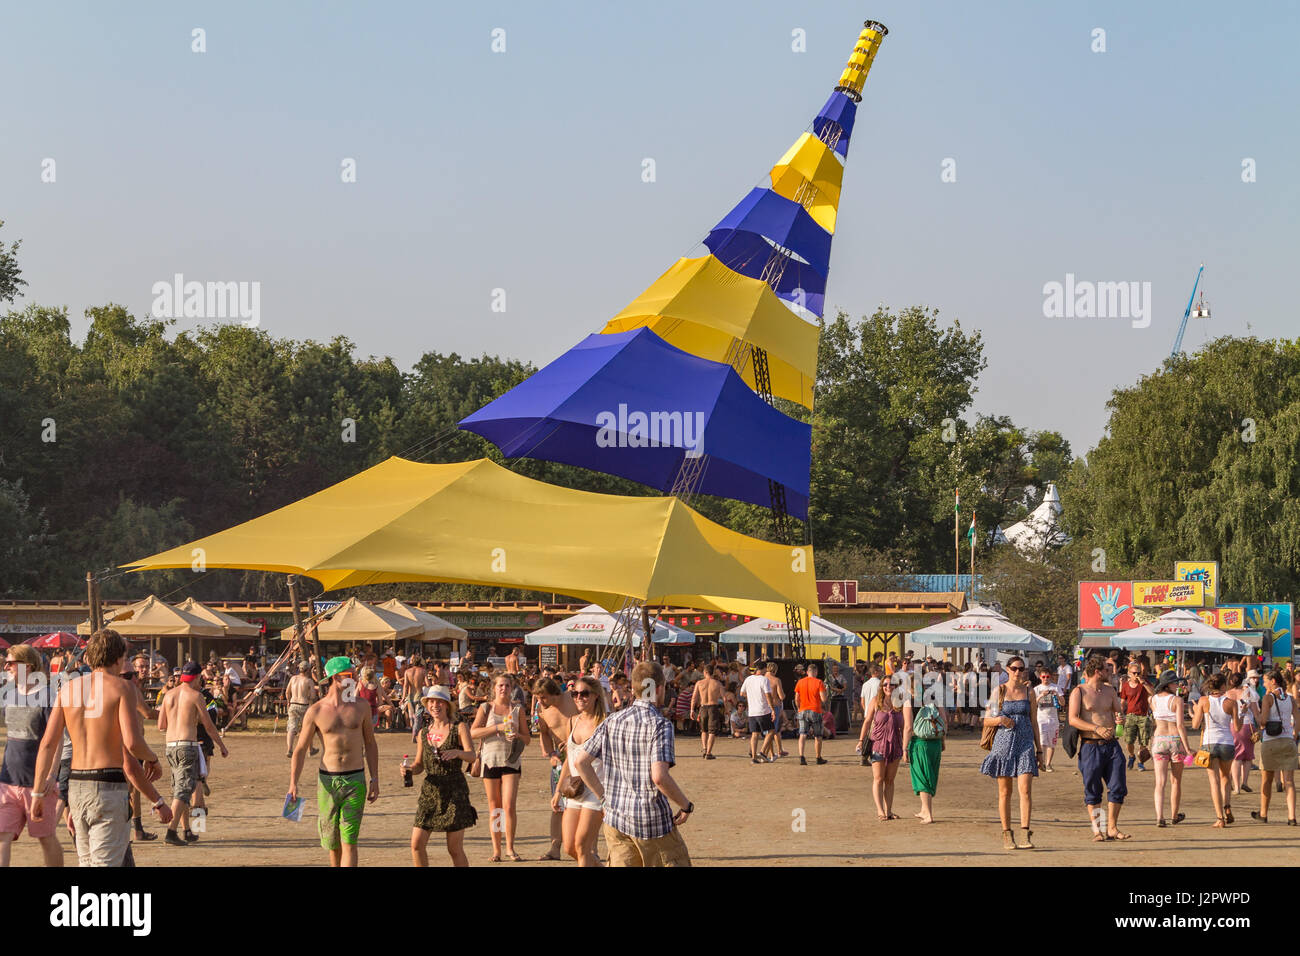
(583, 810)
(1014, 750)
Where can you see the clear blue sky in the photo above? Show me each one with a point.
(522, 170)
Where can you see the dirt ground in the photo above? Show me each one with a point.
(746, 815)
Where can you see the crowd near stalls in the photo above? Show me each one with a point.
(603, 733)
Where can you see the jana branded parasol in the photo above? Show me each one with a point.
(764, 630)
(980, 627)
(594, 625)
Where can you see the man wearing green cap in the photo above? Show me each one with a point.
(341, 792)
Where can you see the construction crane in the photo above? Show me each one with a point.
(1202, 312)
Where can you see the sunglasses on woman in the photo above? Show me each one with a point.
(1015, 668)
(580, 694)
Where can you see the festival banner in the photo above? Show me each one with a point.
(1207, 572)
(837, 592)
(1277, 618)
(1106, 604)
(1231, 618)
(1168, 594)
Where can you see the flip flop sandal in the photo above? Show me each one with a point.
(515, 858)
(1119, 836)
(1179, 817)
(1161, 823)
(1099, 838)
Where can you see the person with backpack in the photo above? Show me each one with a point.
(924, 730)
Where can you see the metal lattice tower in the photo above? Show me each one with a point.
(785, 530)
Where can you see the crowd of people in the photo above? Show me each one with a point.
(608, 739)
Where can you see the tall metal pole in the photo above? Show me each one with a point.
(90, 602)
(647, 640)
(292, 581)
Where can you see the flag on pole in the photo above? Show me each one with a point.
(956, 508)
(971, 534)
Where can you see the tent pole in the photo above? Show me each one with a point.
(292, 581)
(645, 634)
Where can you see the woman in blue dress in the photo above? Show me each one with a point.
(1016, 750)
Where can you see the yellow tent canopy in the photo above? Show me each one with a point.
(234, 627)
(355, 620)
(153, 617)
(702, 307)
(811, 163)
(475, 522)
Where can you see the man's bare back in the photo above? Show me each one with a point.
(709, 691)
(301, 689)
(413, 681)
(94, 707)
(183, 709)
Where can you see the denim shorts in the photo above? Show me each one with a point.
(1223, 752)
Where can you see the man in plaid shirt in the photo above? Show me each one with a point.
(636, 747)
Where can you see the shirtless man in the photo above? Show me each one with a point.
(557, 711)
(1094, 712)
(98, 710)
(706, 707)
(179, 717)
(413, 690)
(301, 693)
(347, 731)
(778, 709)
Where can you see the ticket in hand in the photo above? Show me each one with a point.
(293, 808)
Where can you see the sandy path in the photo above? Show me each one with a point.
(746, 815)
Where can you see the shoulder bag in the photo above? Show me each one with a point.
(1274, 727)
(991, 730)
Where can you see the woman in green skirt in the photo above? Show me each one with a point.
(444, 804)
(924, 730)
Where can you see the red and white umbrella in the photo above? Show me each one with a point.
(59, 640)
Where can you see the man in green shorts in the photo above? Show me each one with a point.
(345, 727)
